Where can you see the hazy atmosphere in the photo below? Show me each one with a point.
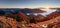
(29, 13)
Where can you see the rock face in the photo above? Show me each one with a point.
(22, 15)
(40, 18)
(56, 23)
(7, 22)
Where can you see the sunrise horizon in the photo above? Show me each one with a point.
(30, 7)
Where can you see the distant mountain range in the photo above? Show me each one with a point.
(24, 10)
(15, 10)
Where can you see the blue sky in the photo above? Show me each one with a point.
(29, 3)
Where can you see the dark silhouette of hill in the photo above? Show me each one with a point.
(2, 12)
(31, 11)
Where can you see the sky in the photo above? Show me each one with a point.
(29, 3)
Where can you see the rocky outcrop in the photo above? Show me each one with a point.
(8, 22)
